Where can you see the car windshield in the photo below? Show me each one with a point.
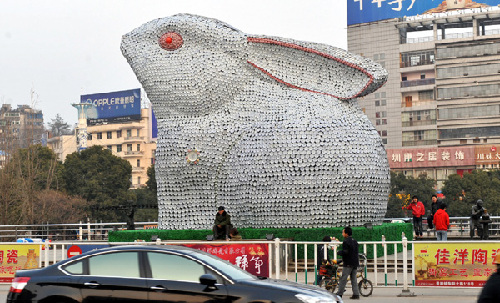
(226, 268)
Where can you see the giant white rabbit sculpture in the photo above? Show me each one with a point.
(267, 127)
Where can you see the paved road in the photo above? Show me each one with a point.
(386, 295)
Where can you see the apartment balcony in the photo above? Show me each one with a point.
(133, 139)
(137, 169)
(418, 122)
(420, 142)
(419, 82)
(131, 154)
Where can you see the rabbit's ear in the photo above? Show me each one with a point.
(315, 67)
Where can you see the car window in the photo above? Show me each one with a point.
(121, 264)
(75, 268)
(174, 267)
(226, 268)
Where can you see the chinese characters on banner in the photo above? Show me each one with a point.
(14, 257)
(253, 258)
(431, 157)
(450, 264)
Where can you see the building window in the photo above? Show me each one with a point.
(118, 133)
(384, 140)
(99, 136)
(422, 76)
(129, 147)
(129, 133)
(419, 117)
(138, 163)
(419, 137)
(89, 137)
(119, 148)
(138, 133)
(138, 147)
(384, 121)
(408, 101)
(138, 180)
(109, 135)
(417, 58)
(377, 103)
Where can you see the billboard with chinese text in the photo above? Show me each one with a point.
(431, 157)
(14, 257)
(253, 258)
(363, 11)
(114, 107)
(454, 264)
(487, 154)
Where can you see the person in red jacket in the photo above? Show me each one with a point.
(442, 222)
(417, 210)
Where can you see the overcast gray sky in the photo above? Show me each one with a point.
(64, 49)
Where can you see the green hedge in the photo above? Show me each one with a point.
(392, 232)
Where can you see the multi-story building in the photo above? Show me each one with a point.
(62, 145)
(439, 112)
(20, 127)
(132, 141)
(122, 123)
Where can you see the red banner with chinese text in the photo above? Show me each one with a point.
(253, 258)
(16, 256)
(454, 264)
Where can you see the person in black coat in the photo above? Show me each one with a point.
(491, 290)
(350, 259)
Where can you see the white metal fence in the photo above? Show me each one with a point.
(98, 231)
(289, 260)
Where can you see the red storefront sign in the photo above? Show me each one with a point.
(431, 157)
(253, 258)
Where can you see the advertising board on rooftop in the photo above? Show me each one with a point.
(114, 107)
(364, 11)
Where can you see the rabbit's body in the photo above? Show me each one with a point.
(274, 153)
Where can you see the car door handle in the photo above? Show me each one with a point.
(91, 284)
(158, 287)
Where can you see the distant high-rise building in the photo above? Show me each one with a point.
(439, 112)
(20, 127)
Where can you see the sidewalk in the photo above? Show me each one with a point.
(389, 294)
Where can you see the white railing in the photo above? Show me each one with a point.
(283, 258)
(98, 231)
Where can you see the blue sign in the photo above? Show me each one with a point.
(363, 11)
(154, 125)
(115, 107)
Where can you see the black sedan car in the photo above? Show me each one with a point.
(154, 274)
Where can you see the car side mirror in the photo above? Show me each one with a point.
(208, 280)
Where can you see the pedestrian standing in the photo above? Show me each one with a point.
(434, 208)
(442, 222)
(350, 259)
(477, 212)
(417, 210)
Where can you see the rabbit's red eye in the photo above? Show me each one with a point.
(170, 41)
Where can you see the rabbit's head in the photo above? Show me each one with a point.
(189, 61)
(196, 64)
